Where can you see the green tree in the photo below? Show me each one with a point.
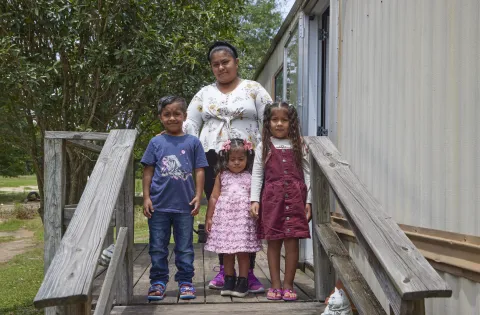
(99, 65)
(260, 22)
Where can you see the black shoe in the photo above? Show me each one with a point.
(241, 289)
(228, 286)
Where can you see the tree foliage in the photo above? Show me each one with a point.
(98, 65)
(260, 21)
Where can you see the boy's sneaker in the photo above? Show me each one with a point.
(241, 289)
(228, 286)
(254, 285)
(219, 280)
(106, 255)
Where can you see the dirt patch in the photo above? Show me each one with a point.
(23, 241)
(19, 189)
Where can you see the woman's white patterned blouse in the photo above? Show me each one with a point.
(214, 116)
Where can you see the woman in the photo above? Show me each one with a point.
(228, 108)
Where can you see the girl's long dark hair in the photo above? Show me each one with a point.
(293, 131)
(223, 156)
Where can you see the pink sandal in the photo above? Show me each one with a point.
(274, 294)
(289, 295)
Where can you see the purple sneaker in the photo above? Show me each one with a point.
(219, 280)
(254, 286)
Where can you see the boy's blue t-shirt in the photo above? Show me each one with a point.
(175, 158)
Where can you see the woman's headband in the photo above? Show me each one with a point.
(221, 45)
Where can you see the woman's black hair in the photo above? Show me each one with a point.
(224, 155)
(222, 45)
(170, 99)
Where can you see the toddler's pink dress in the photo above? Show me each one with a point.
(233, 229)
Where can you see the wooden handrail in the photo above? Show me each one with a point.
(104, 303)
(69, 277)
(402, 271)
(73, 135)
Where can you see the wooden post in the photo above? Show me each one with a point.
(415, 307)
(324, 272)
(124, 218)
(54, 194)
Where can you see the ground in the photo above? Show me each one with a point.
(21, 244)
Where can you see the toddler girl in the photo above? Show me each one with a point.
(281, 167)
(232, 231)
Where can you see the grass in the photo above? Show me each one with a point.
(11, 225)
(4, 239)
(20, 278)
(138, 187)
(26, 180)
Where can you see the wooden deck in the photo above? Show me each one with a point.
(209, 300)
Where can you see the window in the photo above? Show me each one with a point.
(292, 62)
(278, 85)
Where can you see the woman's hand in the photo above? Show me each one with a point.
(147, 207)
(195, 203)
(208, 225)
(254, 209)
(308, 211)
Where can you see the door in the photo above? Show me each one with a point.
(323, 73)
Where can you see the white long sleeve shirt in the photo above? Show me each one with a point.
(258, 169)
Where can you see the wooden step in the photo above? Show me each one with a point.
(297, 308)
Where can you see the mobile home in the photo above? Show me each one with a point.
(395, 86)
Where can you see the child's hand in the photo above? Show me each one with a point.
(147, 208)
(254, 209)
(208, 225)
(308, 211)
(196, 206)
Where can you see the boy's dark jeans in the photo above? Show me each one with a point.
(160, 225)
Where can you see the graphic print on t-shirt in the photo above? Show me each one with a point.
(172, 167)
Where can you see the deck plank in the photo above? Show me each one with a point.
(198, 279)
(211, 295)
(264, 279)
(204, 263)
(302, 282)
(101, 272)
(250, 298)
(171, 294)
(262, 264)
(141, 281)
(301, 296)
(305, 308)
(140, 289)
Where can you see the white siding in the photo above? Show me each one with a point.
(409, 117)
(404, 110)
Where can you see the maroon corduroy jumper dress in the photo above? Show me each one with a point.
(282, 208)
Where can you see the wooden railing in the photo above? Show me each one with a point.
(403, 273)
(71, 259)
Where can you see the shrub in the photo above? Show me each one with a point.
(23, 212)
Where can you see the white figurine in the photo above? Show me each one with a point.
(338, 304)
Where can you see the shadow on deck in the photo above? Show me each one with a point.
(211, 299)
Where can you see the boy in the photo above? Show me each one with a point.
(170, 197)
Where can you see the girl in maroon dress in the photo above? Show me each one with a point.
(281, 175)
